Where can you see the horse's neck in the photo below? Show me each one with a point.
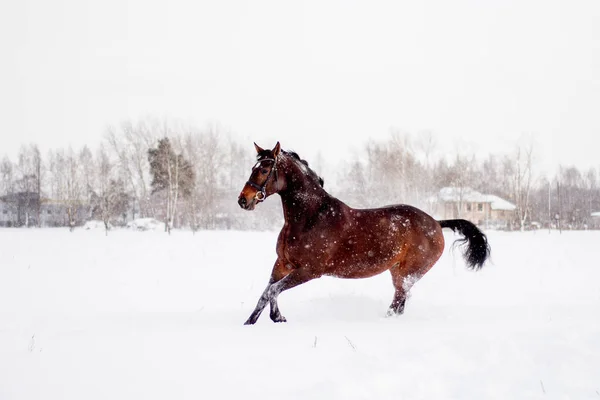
(303, 199)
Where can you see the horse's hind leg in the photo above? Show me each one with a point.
(402, 284)
(404, 276)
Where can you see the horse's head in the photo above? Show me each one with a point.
(264, 179)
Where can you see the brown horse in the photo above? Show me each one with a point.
(323, 236)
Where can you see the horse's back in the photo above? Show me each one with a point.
(408, 215)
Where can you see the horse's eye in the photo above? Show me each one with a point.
(264, 171)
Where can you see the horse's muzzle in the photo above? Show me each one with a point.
(245, 204)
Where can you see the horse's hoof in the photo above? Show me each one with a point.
(393, 313)
(249, 322)
(278, 318)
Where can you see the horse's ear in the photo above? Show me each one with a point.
(276, 150)
(258, 148)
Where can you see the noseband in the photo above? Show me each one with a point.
(261, 189)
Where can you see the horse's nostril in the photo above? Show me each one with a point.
(242, 201)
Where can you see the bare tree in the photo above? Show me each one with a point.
(6, 175)
(88, 175)
(28, 185)
(73, 187)
(130, 147)
(209, 172)
(356, 192)
(490, 176)
(238, 160)
(394, 171)
(522, 182)
(319, 164)
(191, 150)
(57, 178)
(38, 170)
(460, 176)
(426, 143)
(214, 167)
(111, 199)
(591, 180)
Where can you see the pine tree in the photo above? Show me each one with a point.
(172, 175)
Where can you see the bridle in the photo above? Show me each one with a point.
(261, 189)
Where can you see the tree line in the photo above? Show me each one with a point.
(190, 177)
(408, 169)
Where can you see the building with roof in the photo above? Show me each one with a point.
(19, 209)
(28, 209)
(485, 210)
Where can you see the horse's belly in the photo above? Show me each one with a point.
(357, 269)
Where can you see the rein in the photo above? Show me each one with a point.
(261, 189)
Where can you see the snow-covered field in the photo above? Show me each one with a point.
(144, 315)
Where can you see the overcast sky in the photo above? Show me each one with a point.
(320, 74)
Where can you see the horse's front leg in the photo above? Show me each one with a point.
(280, 270)
(292, 279)
(262, 303)
(275, 313)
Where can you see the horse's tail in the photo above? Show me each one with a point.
(477, 249)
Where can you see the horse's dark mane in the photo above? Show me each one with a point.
(295, 155)
(267, 154)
